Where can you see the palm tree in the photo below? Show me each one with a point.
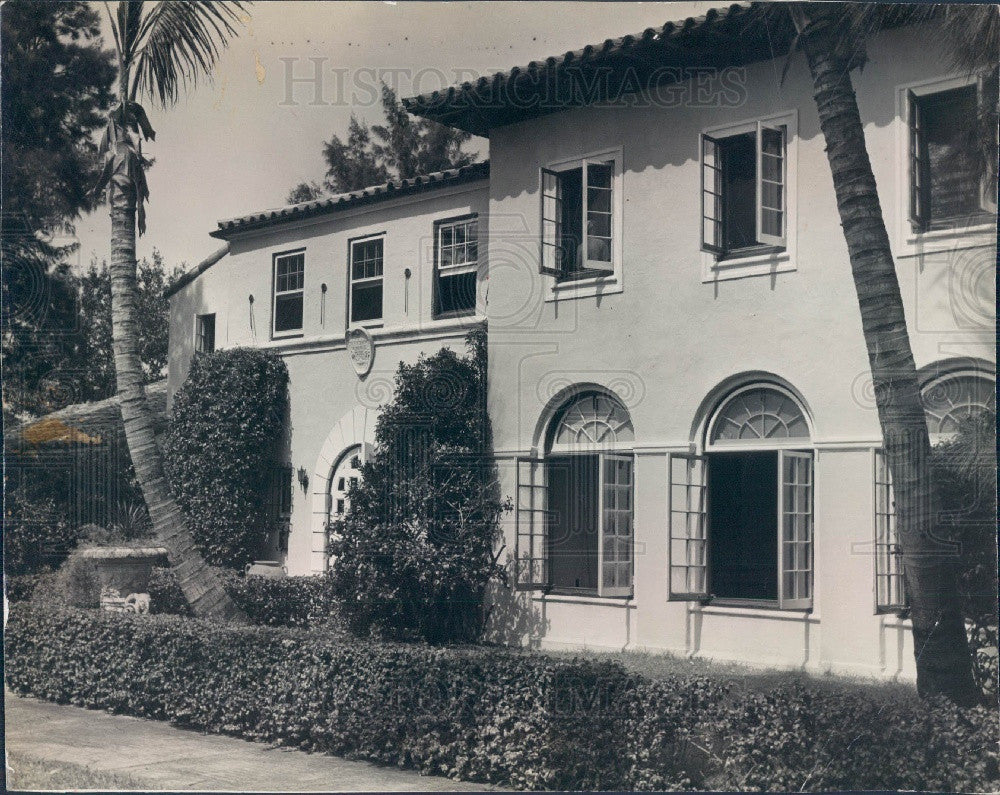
(161, 48)
(832, 37)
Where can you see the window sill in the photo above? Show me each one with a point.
(583, 288)
(753, 262)
(947, 239)
(454, 315)
(585, 599)
(760, 609)
(287, 335)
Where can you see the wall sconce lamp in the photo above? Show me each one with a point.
(303, 478)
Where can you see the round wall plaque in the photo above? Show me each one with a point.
(361, 350)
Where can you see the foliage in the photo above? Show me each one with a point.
(402, 148)
(77, 583)
(37, 532)
(500, 716)
(417, 550)
(56, 80)
(22, 587)
(965, 479)
(270, 602)
(97, 366)
(228, 418)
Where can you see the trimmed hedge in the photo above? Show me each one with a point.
(495, 715)
(285, 602)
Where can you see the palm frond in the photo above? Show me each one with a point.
(180, 41)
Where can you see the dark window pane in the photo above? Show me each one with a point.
(366, 301)
(743, 495)
(572, 221)
(739, 155)
(288, 312)
(573, 510)
(205, 342)
(950, 135)
(456, 293)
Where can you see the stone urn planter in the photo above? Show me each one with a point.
(123, 574)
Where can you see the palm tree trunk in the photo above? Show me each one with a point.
(940, 646)
(201, 586)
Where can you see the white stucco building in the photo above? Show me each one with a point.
(678, 381)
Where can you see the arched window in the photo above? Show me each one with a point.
(758, 414)
(574, 507)
(955, 397)
(592, 419)
(741, 522)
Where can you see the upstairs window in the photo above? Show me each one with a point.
(744, 201)
(947, 183)
(289, 288)
(204, 333)
(579, 219)
(456, 266)
(366, 280)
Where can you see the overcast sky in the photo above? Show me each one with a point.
(237, 144)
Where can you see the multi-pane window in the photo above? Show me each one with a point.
(744, 190)
(578, 220)
(575, 507)
(289, 288)
(946, 172)
(890, 594)
(456, 267)
(366, 279)
(741, 516)
(204, 333)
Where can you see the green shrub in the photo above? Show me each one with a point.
(77, 583)
(496, 715)
(286, 602)
(21, 587)
(414, 556)
(965, 480)
(228, 419)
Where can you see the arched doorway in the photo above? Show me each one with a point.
(346, 472)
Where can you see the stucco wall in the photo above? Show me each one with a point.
(673, 340)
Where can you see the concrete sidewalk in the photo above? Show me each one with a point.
(162, 757)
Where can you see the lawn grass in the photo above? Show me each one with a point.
(744, 678)
(29, 773)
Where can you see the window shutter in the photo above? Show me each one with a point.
(552, 248)
(530, 561)
(598, 215)
(795, 529)
(711, 195)
(771, 188)
(890, 595)
(688, 527)
(616, 536)
(919, 188)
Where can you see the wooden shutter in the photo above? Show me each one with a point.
(919, 185)
(890, 595)
(711, 196)
(551, 263)
(795, 529)
(614, 552)
(771, 188)
(530, 558)
(688, 527)
(598, 215)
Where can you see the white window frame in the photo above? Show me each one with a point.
(275, 293)
(885, 541)
(911, 242)
(351, 281)
(593, 285)
(714, 268)
(453, 269)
